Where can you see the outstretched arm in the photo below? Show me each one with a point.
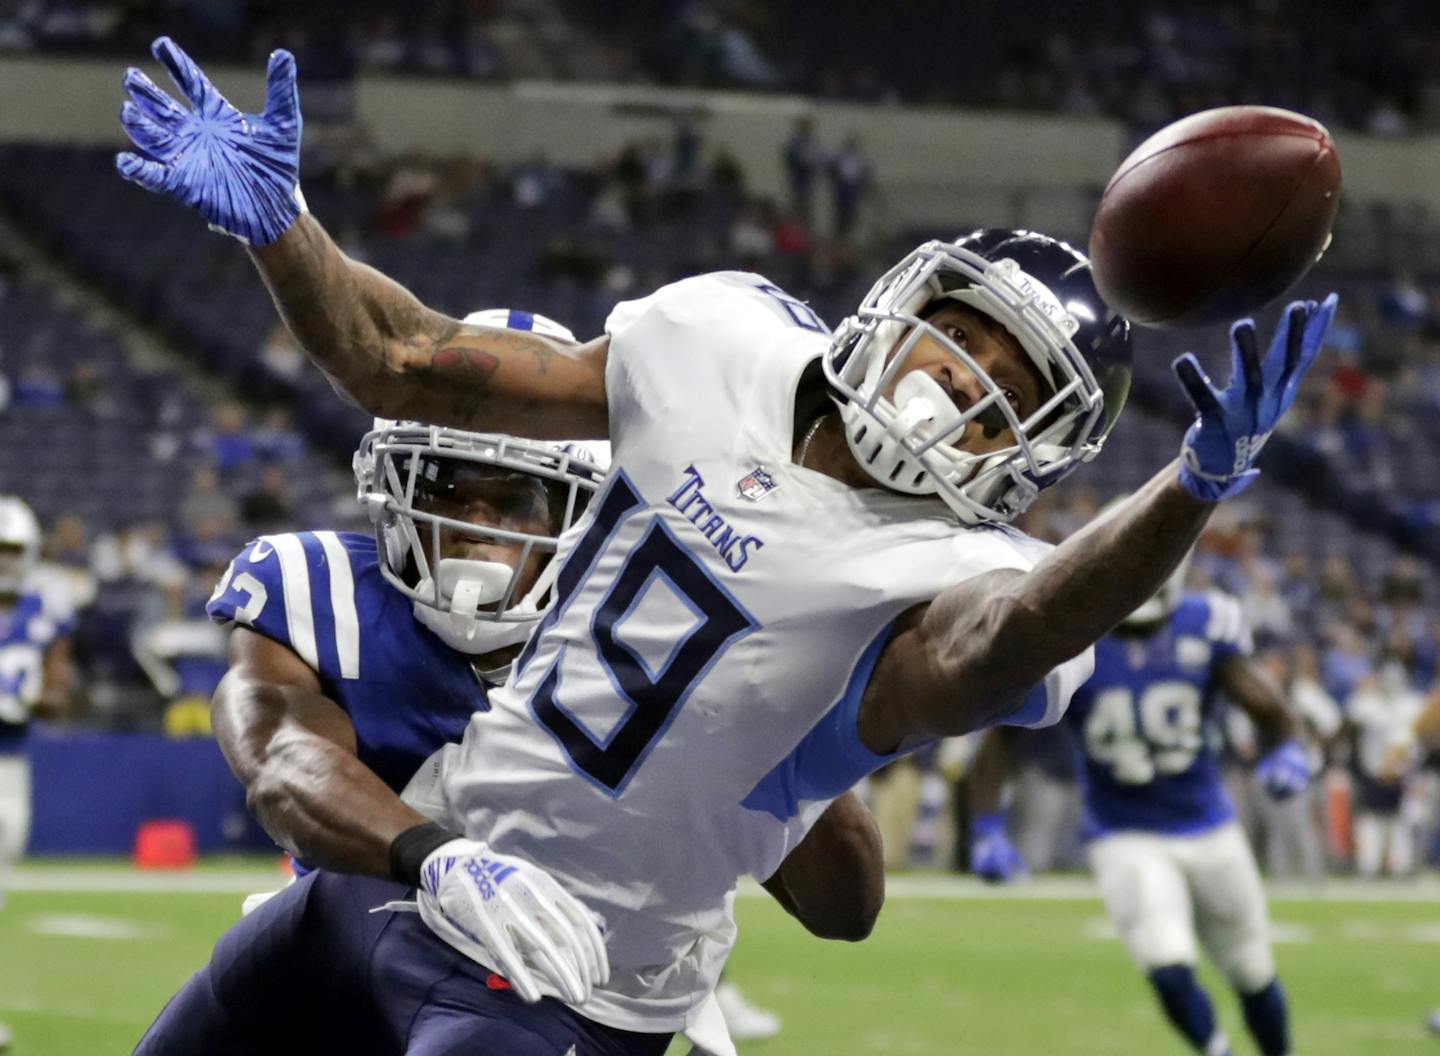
(973, 656)
(375, 341)
(294, 751)
(397, 358)
(833, 882)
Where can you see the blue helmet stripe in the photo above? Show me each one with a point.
(520, 320)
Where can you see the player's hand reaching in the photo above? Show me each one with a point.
(242, 171)
(513, 918)
(994, 858)
(1285, 770)
(1231, 426)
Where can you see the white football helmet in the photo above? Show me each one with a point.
(19, 543)
(1040, 290)
(470, 605)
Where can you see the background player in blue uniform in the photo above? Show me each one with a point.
(34, 672)
(1167, 852)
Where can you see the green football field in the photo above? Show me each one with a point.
(88, 954)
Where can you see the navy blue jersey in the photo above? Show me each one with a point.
(1148, 722)
(322, 594)
(27, 630)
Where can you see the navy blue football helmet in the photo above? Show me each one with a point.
(1040, 289)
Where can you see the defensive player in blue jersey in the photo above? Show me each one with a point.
(1167, 852)
(34, 672)
(801, 563)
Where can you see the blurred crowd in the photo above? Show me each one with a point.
(1368, 67)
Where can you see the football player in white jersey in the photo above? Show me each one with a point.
(325, 627)
(34, 672)
(801, 563)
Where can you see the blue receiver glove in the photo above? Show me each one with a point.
(993, 857)
(242, 171)
(1285, 770)
(1232, 426)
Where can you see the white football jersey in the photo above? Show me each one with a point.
(688, 707)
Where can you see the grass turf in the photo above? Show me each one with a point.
(82, 972)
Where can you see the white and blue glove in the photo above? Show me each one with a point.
(241, 171)
(1231, 427)
(993, 857)
(512, 917)
(1285, 770)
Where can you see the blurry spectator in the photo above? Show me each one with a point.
(1293, 827)
(276, 439)
(534, 182)
(184, 655)
(726, 172)
(227, 442)
(140, 552)
(685, 147)
(802, 159)
(750, 238)
(401, 209)
(379, 43)
(281, 355)
(38, 386)
(268, 508)
(208, 511)
(851, 176)
(1345, 661)
(1266, 610)
(789, 234)
(65, 561)
(1382, 712)
(1296, 585)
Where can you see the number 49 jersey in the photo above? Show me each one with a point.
(1149, 722)
(688, 705)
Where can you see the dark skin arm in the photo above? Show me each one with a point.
(990, 770)
(294, 751)
(833, 882)
(967, 659)
(1247, 684)
(396, 358)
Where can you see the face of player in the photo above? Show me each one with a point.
(490, 497)
(996, 352)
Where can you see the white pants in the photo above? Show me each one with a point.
(14, 808)
(1377, 834)
(1162, 890)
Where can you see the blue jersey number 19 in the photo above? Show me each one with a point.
(651, 698)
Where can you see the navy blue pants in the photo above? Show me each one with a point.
(313, 970)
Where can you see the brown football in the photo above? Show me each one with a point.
(1215, 216)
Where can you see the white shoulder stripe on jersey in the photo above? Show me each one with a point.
(295, 575)
(342, 604)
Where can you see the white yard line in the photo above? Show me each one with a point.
(904, 886)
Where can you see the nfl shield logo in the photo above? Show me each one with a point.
(756, 484)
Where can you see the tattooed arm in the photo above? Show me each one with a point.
(396, 358)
